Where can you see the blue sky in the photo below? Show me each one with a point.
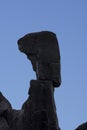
(68, 19)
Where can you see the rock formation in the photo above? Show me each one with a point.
(82, 126)
(42, 50)
(39, 110)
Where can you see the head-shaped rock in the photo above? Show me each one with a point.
(42, 50)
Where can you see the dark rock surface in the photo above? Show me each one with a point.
(37, 113)
(39, 106)
(82, 126)
(42, 50)
(39, 110)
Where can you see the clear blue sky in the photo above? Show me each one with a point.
(68, 19)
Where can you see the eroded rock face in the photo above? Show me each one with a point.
(42, 50)
(4, 103)
(39, 110)
(37, 113)
(5, 108)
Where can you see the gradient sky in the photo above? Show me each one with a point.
(68, 19)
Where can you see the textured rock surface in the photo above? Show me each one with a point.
(39, 110)
(42, 50)
(37, 113)
(5, 108)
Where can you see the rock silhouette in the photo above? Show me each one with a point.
(82, 126)
(39, 111)
(42, 50)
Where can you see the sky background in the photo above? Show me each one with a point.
(68, 19)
